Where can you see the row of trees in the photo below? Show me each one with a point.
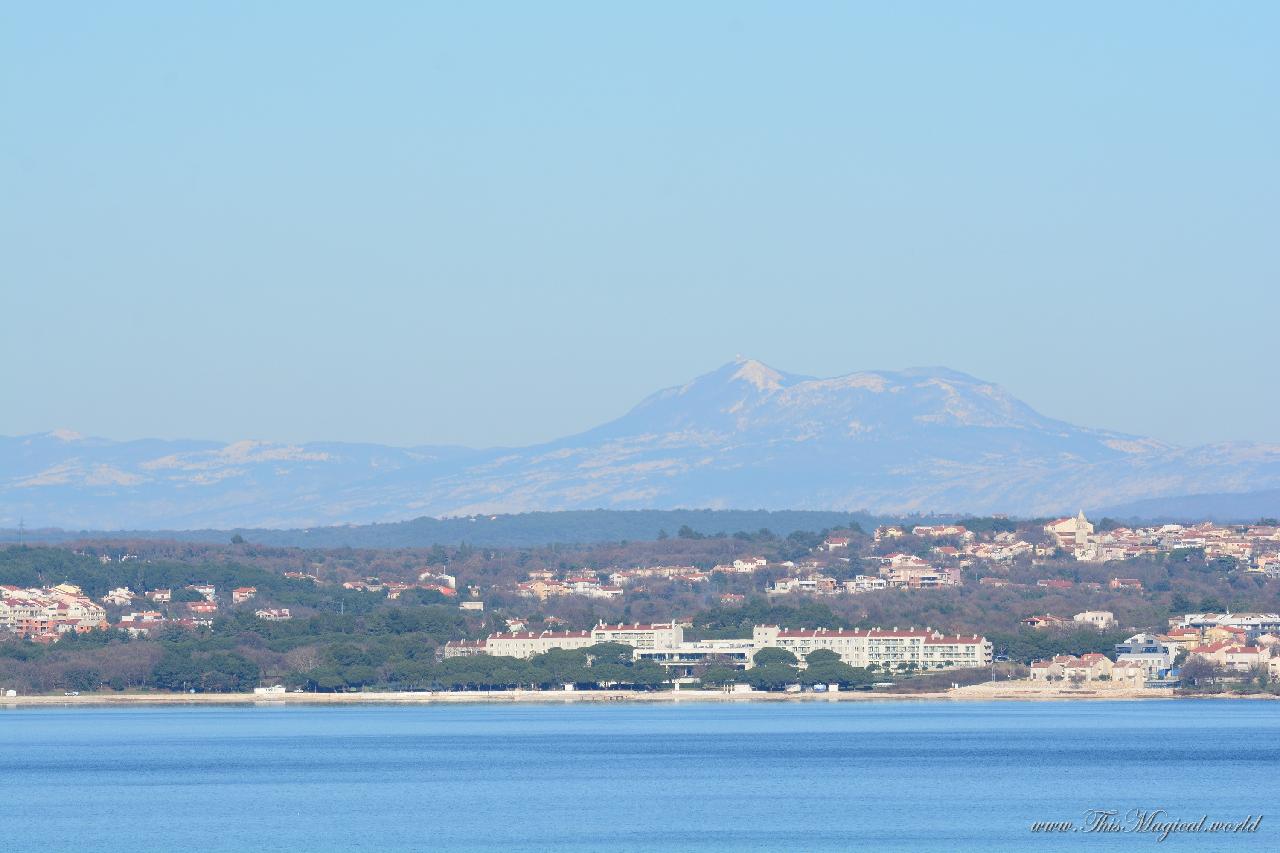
(604, 665)
(208, 661)
(775, 669)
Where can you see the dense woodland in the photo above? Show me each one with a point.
(347, 639)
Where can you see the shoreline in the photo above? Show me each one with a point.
(1011, 692)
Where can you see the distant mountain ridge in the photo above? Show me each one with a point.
(1224, 508)
(492, 531)
(744, 435)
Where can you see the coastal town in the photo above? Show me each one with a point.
(874, 603)
(723, 427)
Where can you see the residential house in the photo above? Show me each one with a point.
(1100, 619)
(1054, 584)
(119, 597)
(1086, 668)
(1045, 622)
(206, 590)
(1126, 583)
(281, 614)
(1148, 650)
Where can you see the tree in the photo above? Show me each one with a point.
(175, 671)
(359, 676)
(606, 672)
(303, 658)
(773, 655)
(646, 674)
(606, 653)
(82, 679)
(1197, 672)
(228, 672)
(560, 666)
(349, 654)
(773, 676)
(423, 596)
(835, 672)
(821, 656)
(718, 675)
(1211, 604)
(324, 678)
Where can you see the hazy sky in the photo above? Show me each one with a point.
(499, 223)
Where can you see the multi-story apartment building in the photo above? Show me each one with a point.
(664, 643)
(1252, 623)
(886, 649)
(526, 644)
(642, 636)
(464, 648)
(684, 657)
(1149, 651)
(48, 610)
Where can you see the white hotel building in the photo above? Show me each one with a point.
(664, 643)
(526, 644)
(889, 649)
(642, 636)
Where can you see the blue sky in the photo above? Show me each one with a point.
(496, 224)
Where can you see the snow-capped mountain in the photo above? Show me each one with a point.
(742, 436)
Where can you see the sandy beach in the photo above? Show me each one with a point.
(1024, 691)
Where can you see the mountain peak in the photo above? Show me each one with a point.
(757, 374)
(939, 372)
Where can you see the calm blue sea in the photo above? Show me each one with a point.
(761, 776)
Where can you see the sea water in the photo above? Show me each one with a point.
(812, 776)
